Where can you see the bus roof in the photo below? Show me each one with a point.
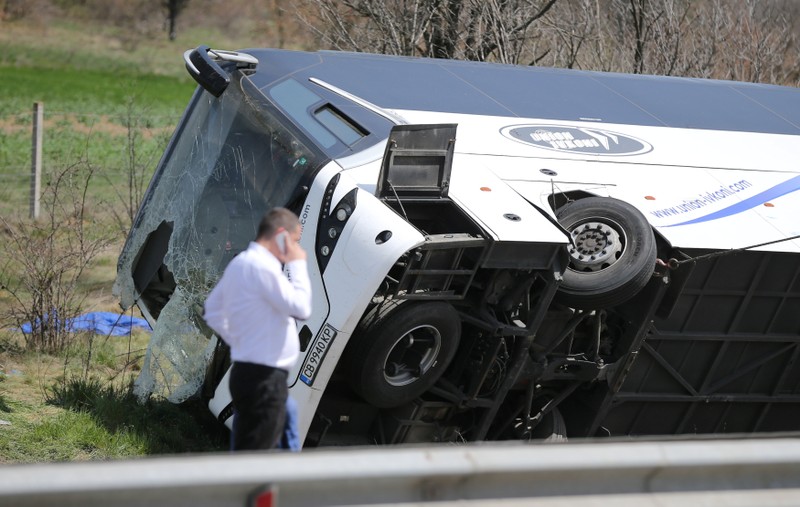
(425, 84)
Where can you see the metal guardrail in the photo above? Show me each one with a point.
(702, 472)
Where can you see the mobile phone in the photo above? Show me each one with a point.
(281, 240)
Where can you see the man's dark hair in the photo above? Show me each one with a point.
(274, 219)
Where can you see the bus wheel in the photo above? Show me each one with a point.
(401, 349)
(612, 255)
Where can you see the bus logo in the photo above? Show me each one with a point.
(581, 140)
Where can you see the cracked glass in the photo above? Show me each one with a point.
(230, 160)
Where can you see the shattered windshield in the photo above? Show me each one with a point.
(230, 160)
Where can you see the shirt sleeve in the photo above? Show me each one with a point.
(214, 314)
(290, 296)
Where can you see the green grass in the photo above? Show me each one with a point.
(91, 91)
(106, 425)
(93, 81)
(67, 436)
(81, 68)
(58, 410)
(78, 45)
(155, 427)
(87, 113)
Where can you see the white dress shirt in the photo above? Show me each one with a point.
(254, 307)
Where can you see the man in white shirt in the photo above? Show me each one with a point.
(253, 308)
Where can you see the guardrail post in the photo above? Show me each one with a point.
(36, 158)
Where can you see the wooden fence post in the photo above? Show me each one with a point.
(36, 158)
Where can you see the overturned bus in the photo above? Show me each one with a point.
(496, 252)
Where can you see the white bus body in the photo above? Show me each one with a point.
(496, 252)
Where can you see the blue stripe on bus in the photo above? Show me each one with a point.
(782, 189)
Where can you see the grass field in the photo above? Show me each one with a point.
(105, 98)
(92, 91)
(71, 407)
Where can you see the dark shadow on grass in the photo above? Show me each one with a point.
(4, 406)
(165, 427)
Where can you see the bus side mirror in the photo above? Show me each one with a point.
(202, 65)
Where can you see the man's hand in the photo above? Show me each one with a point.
(293, 251)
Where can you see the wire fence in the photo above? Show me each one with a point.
(111, 144)
(25, 117)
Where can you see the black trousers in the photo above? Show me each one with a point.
(259, 401)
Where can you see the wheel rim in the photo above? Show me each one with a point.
(596, 245)
(412, 355)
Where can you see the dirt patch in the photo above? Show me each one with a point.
(86, 125)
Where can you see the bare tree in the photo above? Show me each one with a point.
(751, 40)
(393, 27)
(174, 8)
(13, 9)
(701, 40)
(496, 30)
(44, 260)
(567, 32)
(645, 36)
(279, 21)
(38, 11)
(140, 158)
(761, 43)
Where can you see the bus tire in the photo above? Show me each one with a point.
(612, 255)
(401, 349)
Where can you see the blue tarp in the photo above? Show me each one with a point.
(104, 323)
